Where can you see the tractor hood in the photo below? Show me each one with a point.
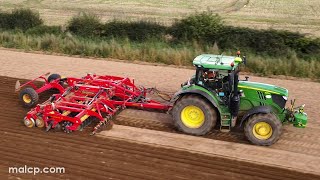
(272, 89)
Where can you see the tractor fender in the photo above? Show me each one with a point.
(179, 94)
(255, 110)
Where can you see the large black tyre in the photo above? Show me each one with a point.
(194, 115)
(29, 97)
(53, 77)
(263, 129)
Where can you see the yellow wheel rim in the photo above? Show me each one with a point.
(28, 122)
(192, 116)
(262, 130)
(26, 98)
(40, 122)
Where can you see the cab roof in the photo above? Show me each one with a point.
(211, 61)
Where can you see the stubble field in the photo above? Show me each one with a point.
(300, 15)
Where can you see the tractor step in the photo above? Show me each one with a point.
(225, 123)
(225, 129)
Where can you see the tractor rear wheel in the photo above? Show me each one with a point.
(29, 97)
(263, 129)
(194, 115)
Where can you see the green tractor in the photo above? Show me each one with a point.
(216, 96)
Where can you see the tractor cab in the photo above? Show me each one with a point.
(217, 73)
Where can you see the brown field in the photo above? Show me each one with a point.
(299, 15)
(114, 155)
(86, 157)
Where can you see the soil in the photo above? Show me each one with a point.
(92, 157)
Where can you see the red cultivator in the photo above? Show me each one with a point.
(81, 101)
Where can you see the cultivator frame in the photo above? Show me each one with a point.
(81, 101)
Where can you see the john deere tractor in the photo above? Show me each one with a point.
(216, 96)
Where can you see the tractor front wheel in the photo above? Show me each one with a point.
(29, 97)
(194, 115)
(263, 129)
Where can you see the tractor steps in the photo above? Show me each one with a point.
(225, 122)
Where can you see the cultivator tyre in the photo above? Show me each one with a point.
(53, 77)
(28, 122)
(263, 129)
(29, 97)
(40, 122)
(193, 115)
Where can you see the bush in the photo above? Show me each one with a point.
(24, 19)
(4, 20)
(304, 47)
(307, 48)
(203, 26)
(136, 31)
(85, 25)
(276, 43)
(263, 42)
(44, 29)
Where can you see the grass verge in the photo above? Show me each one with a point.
(153, 50)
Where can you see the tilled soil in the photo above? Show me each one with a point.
(302, 141)
(91, 157)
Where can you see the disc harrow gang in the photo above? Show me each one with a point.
(90, 99)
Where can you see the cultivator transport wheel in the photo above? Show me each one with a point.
(54, 77)
(263, 129)
(29, 97)
(193, 115)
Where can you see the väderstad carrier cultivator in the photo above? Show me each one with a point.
(81, 101)
(214, 96)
